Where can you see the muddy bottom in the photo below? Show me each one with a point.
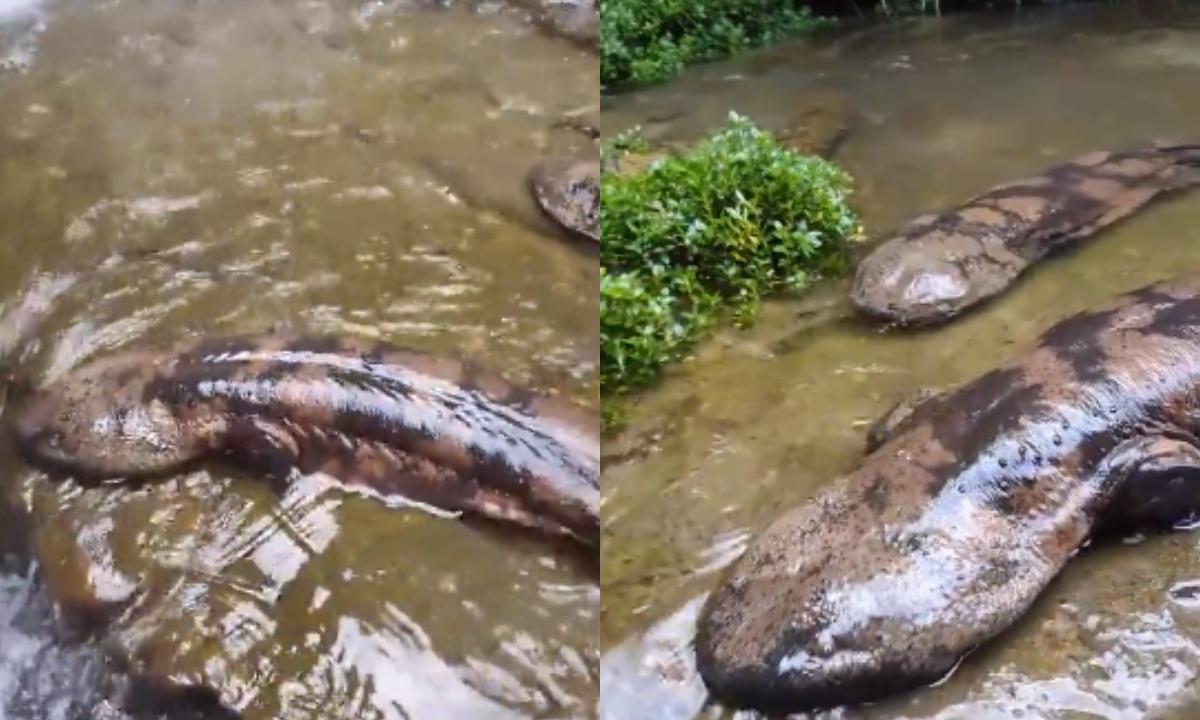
(757, 420)
(173, 169)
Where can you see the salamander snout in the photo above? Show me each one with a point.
(46, 446)
(894, 287)
(101, 423)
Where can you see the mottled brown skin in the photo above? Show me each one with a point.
(398, 423)
(569, 192)
(945, 535)
(941, 265)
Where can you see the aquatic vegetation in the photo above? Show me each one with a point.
(647, 320)
(708, 232)
(642, 42)
(631, 140)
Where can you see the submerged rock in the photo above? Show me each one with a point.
(494, 185)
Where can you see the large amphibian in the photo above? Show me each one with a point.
(569, 192)
(398, 423)
(940, 265)
(949, 530)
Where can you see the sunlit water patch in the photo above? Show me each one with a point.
(171, 169)
(42, 677)
(20, 25)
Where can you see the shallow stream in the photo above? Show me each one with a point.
(933, 112)
(171, 168)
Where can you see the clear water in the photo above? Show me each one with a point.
(172, 168)
(757, 420)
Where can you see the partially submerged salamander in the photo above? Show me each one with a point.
(948, 532)
(943, 264)
(569, 192)
(400, 423)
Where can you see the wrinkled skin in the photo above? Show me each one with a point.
(941, 265)
(569, 192)
(398, 423)
(947, 533)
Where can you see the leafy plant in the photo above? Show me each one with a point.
(710, 231)
(630, 140)
(643, 42)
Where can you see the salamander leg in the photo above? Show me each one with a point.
(1162, 492)
(265, 448)
(902, 417)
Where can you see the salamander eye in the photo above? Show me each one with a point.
(52, 440)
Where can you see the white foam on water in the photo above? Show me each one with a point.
(40, 678)
(21, 23)
(17, 10)
(12, 8)
(16, 649)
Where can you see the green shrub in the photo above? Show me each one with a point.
(647, 321)
(712, 230)
(628, 141)
(642, 41)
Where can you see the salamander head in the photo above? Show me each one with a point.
(902, 284)
(830, 605)
(98, 423)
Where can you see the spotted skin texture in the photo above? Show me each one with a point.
(941, 265)
(398, 423)
(946, 533)
(569, 192)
